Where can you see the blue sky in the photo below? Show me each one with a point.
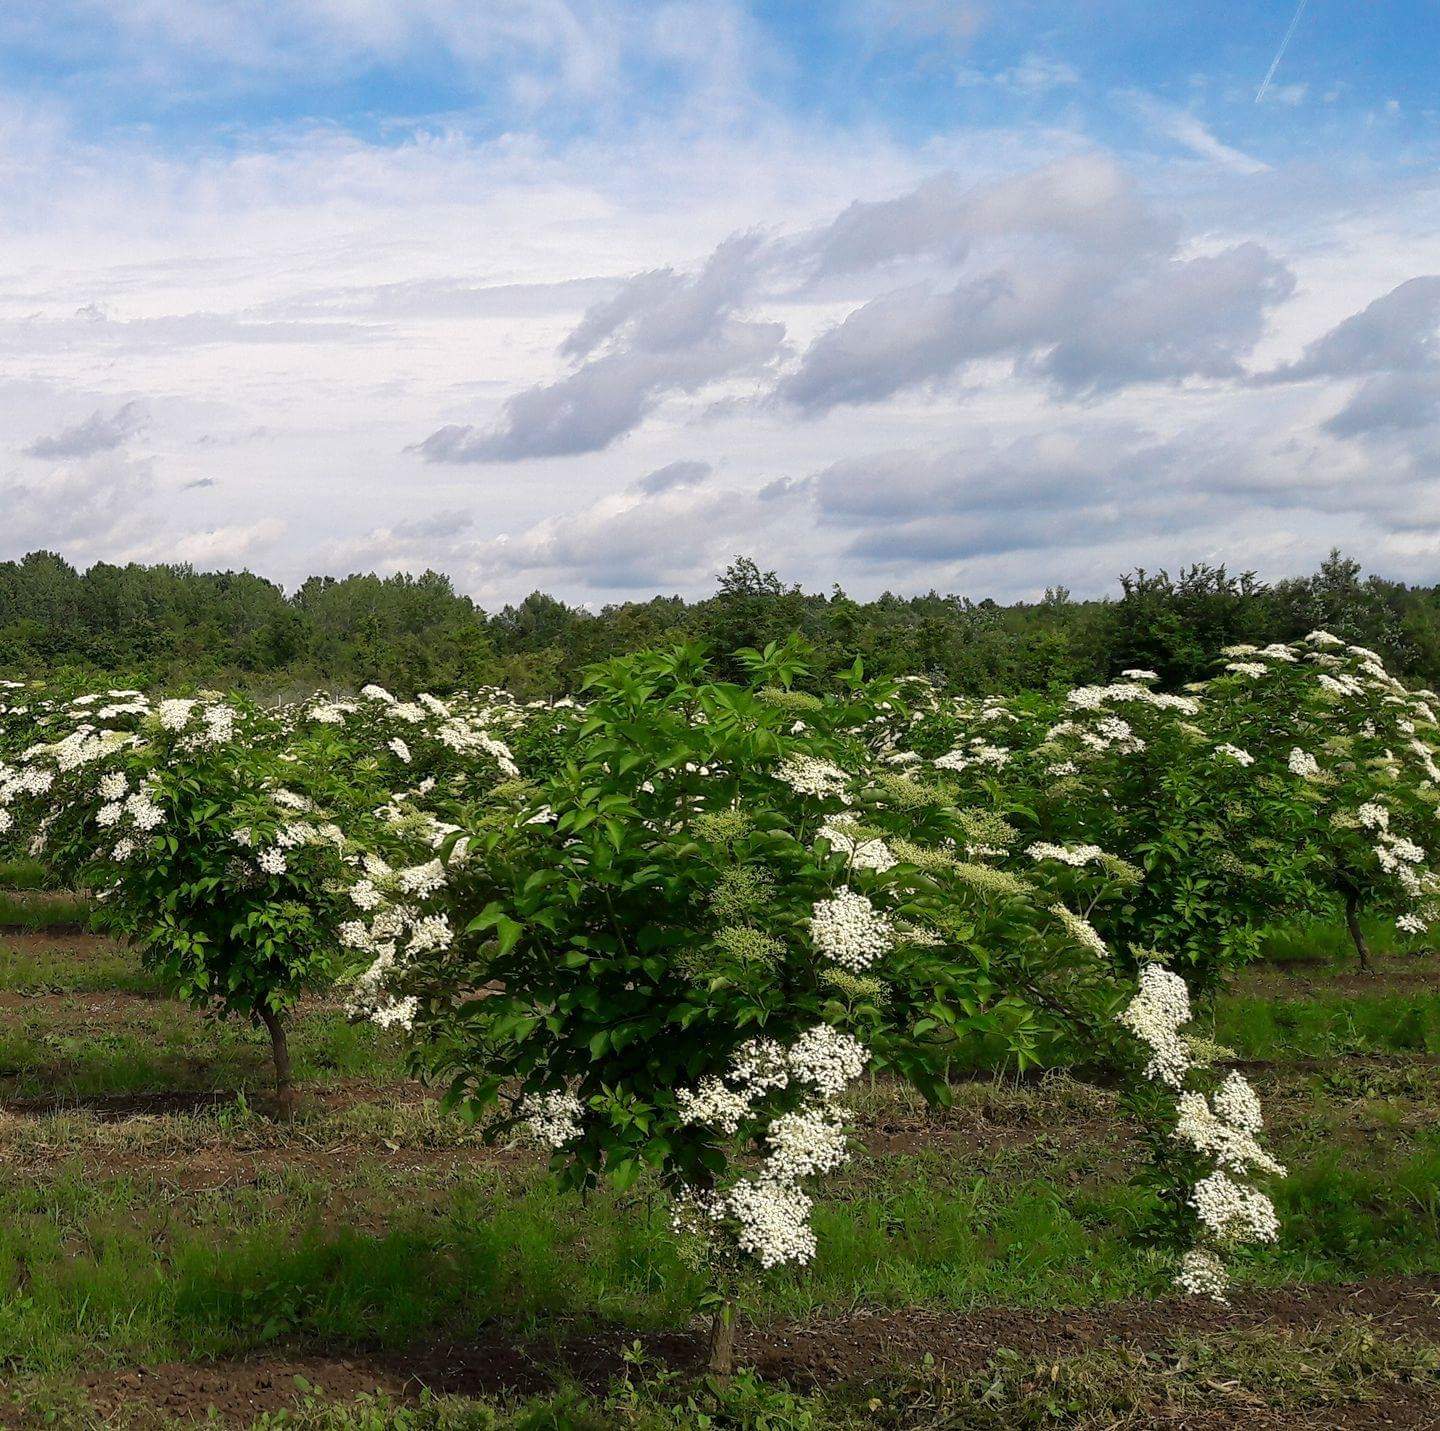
(592, 294)
(1358, 73)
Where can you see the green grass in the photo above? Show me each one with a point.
(23, 874)
(1327, 942)
(164, 1047)
(108, 1266)
(42, 910)
(1326, 1025)
(376, 1221)
(61, 966)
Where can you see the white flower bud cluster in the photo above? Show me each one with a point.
(1080, 930)
(849, 930)
(862, 854)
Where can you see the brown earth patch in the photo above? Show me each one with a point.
(117, 1107)
(49, 941)
(851, 1349)
(1412, 974)
(85, 1008)
(214, 1167)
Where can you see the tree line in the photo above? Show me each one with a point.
(170, 625)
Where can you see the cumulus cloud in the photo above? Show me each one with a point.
(1065, 491)
(1392, 345)
(93, 504)
(1063, 272)
(1086, 200)
(662, 332)
(1087, 302)
(625, 542)
(100, 432)
(673, 476)
(1394, 333)
(214, 547)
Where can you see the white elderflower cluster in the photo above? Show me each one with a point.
(175, 714)
(1303, 764)
(712, 1104)
(145, 813)
(1203, 1274)
(1232, 1146)
(1224, 1128)
(978, 753)
(272, 861)
(1238, 1104)
(768, 1214)
(1240, 757)
(1232, 1212)
(809, 775)
(113, 786)
(773, 1222)
(1073, 855)
(1155, 1016)
(848, 930)
(826, 1060)
(552, 1119)
(808, 1141)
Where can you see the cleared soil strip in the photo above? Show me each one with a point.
(806, 1355)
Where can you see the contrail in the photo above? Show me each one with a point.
(1280, 53)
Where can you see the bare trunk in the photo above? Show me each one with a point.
(1357, 935)
(280, 1049)
(722, 1340)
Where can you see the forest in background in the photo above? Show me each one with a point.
(173, 626)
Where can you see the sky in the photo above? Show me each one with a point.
(591, 296)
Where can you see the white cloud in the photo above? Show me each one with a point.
(1187, 130)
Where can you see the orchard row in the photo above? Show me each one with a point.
(664, 929)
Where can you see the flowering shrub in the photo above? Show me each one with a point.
(1358, 754)
(1188, 852)
(688, 940)
(210, 830)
